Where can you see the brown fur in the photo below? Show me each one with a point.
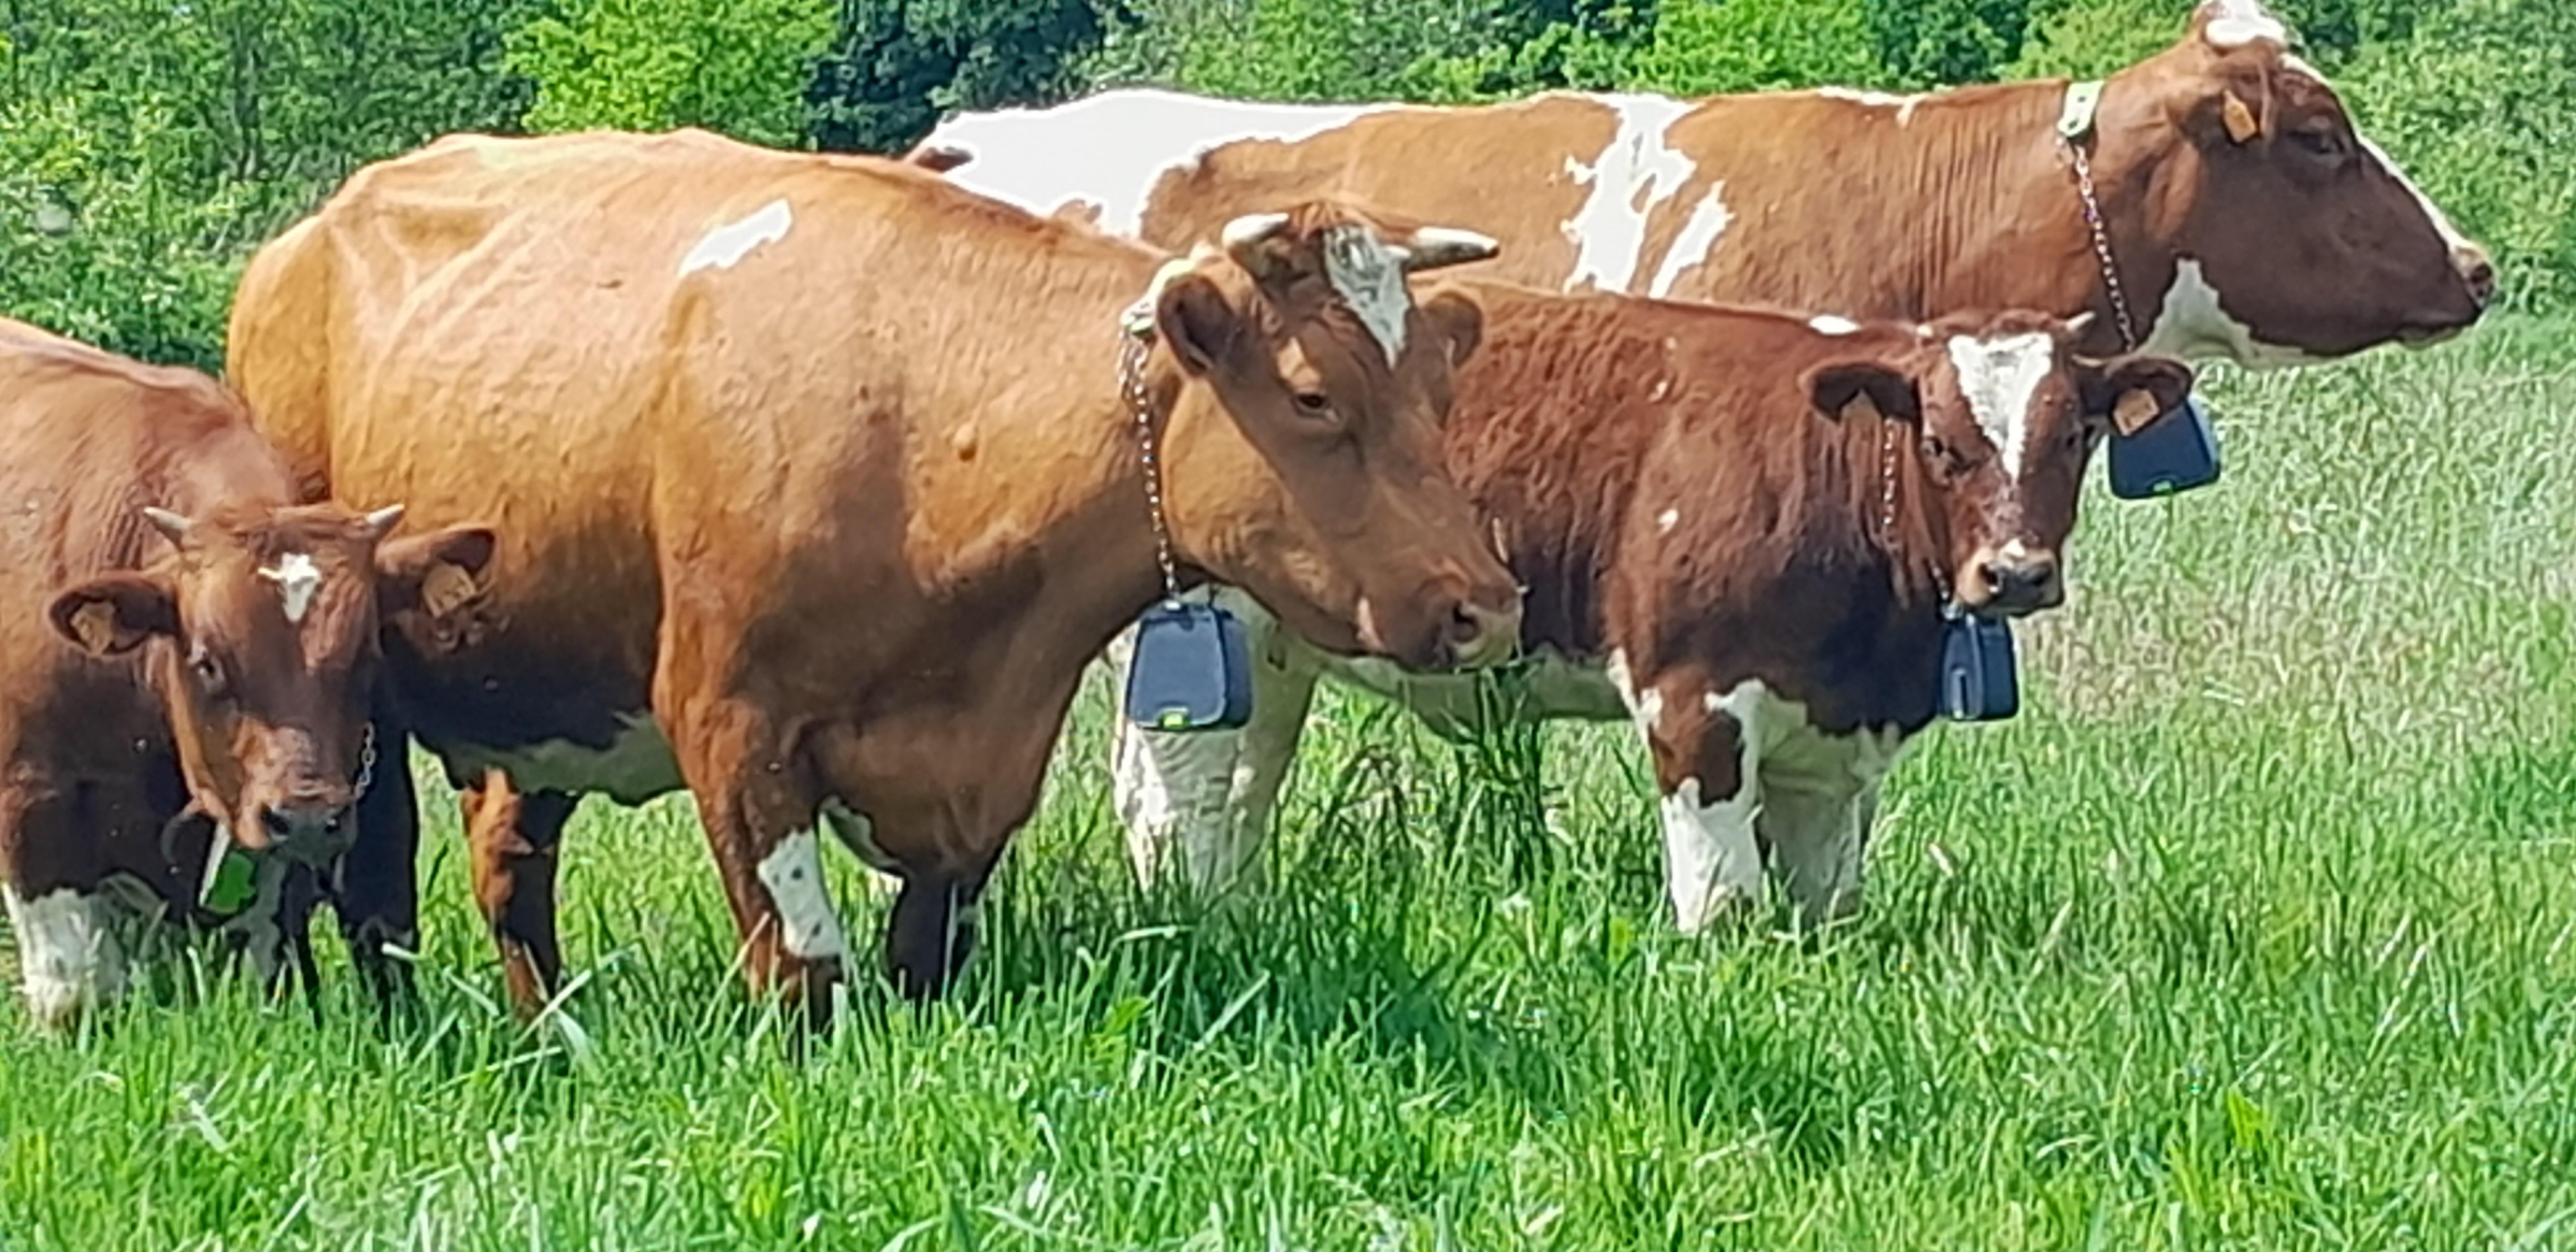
(1969, 203)
(847, 518)
(150, 684)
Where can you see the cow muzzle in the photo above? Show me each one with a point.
(1460, 624)
(311, 823)
(2011, 581)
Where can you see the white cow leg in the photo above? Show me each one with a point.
(1196, 804)
(69, 959)
(1707, 752)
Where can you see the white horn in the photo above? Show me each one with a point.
(1244, 236)
(2081, 323)
(375, 525)
(1437, 247)
(168, 523)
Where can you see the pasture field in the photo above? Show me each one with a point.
(2256, 930)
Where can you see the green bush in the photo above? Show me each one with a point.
(896, 65)
(2092, 38)
(736, 66)
(1702, 47)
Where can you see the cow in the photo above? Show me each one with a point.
(2242, 215)
(820, 479)
(187, 664)
(1738, 528)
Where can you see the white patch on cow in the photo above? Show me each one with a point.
(793, 875)
(1634, 174)
(1370, 281)
(2193, 323)
(1699, 235)
(2240, 22)
(1903, 104)
(1711, 859)
(726, 246)
(298, 580)
(1112, 148)
(1999, 377)
(1829, 324)
(636, 766)
(69, 960)
(1666, 520)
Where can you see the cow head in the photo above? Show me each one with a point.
(263, 638)
(2292, 237)
(2002, 418)
(1302, 457)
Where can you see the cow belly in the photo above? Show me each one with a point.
(635, 766)
(1554, 685)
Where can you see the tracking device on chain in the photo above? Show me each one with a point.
(1192, 669)
(1978, 681)
(2174, 453)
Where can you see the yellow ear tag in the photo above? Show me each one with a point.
(2241, 125)
(445, 589)
(95, 623)
(2135, 412)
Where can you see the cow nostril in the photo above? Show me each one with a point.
(276, 823)
(1992, 575)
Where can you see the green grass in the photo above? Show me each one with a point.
(2256, 930)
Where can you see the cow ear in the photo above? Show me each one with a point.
(435, 574)
(1837, 385)
(115, 613)
(1192, 315)
(1457, 322)
(2132, 390)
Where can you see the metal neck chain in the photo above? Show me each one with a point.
(1887, 511)
(2102, 245)
(1131, 384)
(366, 762)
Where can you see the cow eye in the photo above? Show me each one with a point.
(2318, 142)
(208, 670)
(1314, 404)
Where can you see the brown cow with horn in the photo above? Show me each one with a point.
(187, 659)
(819, 483)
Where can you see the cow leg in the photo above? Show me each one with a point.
(931, 932)
(760, 824)
(1197, 804)
(1707, 755)
(377, 893)
(512, 840)
(69, 958)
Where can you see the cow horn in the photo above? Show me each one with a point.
(1244, 236)
(377, 524)
(168, 523)
(1437, 247)
(2081, 323)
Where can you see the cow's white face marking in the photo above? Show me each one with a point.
(1829, 324)
(1112, 148)
(1904, 105)
(1666, 520)
(636, 766)
(1370, 281)
(1633, 175)
(68, 958)
(2240, 22)
(1691, 247)
(2192, 323)
(1999, 377)
(793, 874)
(298, 580)
(727, 245)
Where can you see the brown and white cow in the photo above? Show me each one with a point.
(2248, 219)
(1737, 528)
(187, 658)
(818, 486)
